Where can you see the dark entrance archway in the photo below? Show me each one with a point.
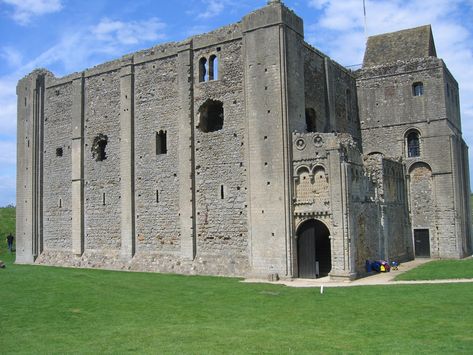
(313, 249)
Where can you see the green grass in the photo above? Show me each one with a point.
(56, 310)
(440, 270)
(7, 225)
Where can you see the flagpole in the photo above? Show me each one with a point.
(364, 15)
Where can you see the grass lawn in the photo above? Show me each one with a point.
(56, 310)
(441, 269)
(7, 225)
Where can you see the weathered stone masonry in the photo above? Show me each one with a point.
(244, 151)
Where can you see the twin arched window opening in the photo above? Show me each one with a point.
(208, 69)
(413, 144)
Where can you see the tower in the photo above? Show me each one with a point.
(409, 109)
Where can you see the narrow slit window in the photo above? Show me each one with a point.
(103, 199)
(161, 143)
(222, 192)
(60, 203)
(157, 196)
(418, 89)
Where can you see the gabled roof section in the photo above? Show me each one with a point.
(402, 45)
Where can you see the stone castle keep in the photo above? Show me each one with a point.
(245, 151)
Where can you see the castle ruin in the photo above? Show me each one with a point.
(245, 151)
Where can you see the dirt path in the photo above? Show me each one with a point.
(384, 278)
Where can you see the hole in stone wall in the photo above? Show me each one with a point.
(157, 196)
(310, 120)
(98, 147)
(59, 152)
(222, 192)
(60, 203)
(103, 199)
(211, 116)
(161, 143)
(25, 101)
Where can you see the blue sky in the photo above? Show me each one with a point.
(70, 35)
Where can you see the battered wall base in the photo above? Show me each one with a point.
(202, 265)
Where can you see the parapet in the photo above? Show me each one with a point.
(273, 14)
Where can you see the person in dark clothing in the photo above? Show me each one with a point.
(10, 242)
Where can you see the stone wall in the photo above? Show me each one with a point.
(156, 175)
(57, 204)
(220, 169)
(102, 178)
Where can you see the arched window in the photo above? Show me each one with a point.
(211, 116)
(418, 89)
(203, 70)
(213, 67)
(413, 144)
(310, 120)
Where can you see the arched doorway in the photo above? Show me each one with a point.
(313, 249)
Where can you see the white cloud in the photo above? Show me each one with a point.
(213, 8)
(318, 4)
(7, 153)
(12, 57)
(8, 105)
(208, 9)
(24, 10)
(128, 32)
(86, 47)
(7, 189)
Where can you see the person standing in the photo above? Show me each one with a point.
(10, 242)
